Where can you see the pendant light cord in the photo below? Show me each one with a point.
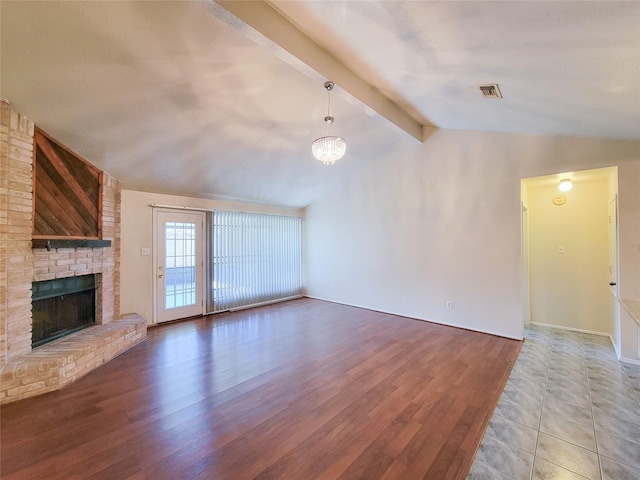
(328, 86)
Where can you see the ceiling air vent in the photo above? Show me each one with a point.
(490, 91)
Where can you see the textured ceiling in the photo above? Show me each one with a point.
(564, 67)
(168, 97)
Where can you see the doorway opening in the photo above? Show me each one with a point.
(569, 250)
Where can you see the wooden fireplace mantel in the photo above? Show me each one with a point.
(50, 243)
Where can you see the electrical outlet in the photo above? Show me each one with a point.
(449, 304)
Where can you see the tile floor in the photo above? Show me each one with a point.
(570, 410)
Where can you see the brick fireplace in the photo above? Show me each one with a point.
(26, 372)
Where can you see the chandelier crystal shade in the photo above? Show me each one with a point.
(329, 148)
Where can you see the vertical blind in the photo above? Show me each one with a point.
(252, 259)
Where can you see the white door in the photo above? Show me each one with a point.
(178, 265)
(526, 296)
(613, 244)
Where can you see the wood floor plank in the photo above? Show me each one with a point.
(303, 389)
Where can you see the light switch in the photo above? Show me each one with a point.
(145, 251)
(561, 249)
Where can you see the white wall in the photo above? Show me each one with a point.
(136, 276)
(440, 222)
(629, 230)
(570, 289)
(629, 257)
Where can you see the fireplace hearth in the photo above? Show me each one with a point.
(62, 306)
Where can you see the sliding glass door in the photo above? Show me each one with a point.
(252, 259)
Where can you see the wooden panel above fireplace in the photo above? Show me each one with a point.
(67, 192)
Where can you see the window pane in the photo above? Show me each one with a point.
(180, 264)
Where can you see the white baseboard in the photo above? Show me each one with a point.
(632, 361)
(262, 304)
(571, 329)
(414, 318)
(582, 330)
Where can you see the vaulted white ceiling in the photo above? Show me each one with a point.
(191, 99)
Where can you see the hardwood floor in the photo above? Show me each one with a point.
(299, 390)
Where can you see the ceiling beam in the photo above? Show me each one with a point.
(272, 25)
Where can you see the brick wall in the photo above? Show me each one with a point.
(16, 255)
(20, 264)
(4, 189)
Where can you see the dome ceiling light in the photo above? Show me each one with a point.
(565, 185)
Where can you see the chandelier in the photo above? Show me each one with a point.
(329, 148)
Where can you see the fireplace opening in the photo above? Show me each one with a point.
(62, 306)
